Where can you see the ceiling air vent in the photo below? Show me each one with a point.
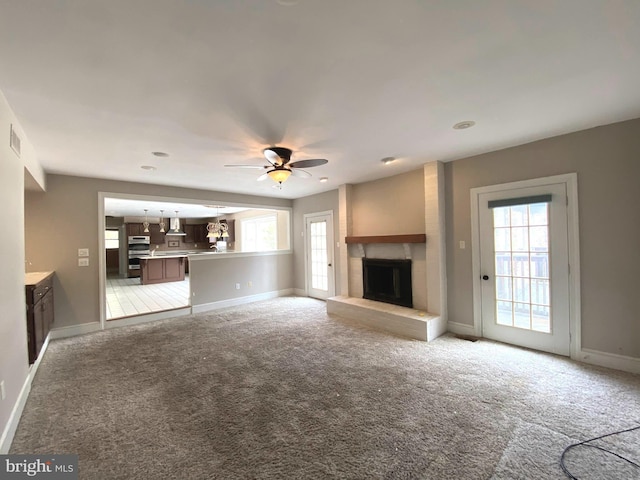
(14, 141)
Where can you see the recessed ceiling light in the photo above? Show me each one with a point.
(148, 167)
(324, 179)
(388, 160)
(160, 154)
(464, 125)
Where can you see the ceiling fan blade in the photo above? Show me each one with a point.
(300, 173)
(264, 176)
(278, 156)
(272, 157)
(312, 162)
(248, 166)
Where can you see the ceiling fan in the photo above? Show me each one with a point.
(279, 167)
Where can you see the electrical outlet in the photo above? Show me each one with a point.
(3, 393)
(463, 245)
(83, 262)
(83, 252)
(249, 284)
(237, 286)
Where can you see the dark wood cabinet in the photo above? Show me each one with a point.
(189, 231)
(157, 237)
(160, 270)
(135, 229)
(200, 234)
(40, 317)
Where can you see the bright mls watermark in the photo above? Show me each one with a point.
(51, 467)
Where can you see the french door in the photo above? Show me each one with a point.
(320, 280)
(524, 267)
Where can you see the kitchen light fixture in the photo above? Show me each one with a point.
(324, 179)
(279, 175)
(145, 224)
(161, 223)
(388, 160)
(217, 229)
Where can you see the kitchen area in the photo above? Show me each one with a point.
(147, 256)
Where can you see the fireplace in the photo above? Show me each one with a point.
(387, 281)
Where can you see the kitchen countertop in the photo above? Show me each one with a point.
(31, 278)
(178, 255)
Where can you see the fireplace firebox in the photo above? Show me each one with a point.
(387, 281)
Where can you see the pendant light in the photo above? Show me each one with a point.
(217, 229)
(145, 224)
(161, 224)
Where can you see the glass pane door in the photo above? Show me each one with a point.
(522, 282)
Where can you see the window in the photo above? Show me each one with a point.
(260, 233)
(111, 239)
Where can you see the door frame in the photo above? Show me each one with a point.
(330, 251)
(570, 180)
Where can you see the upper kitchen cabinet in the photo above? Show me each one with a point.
(157, 237)
(200, 233)
(189, 231)
(135, 229)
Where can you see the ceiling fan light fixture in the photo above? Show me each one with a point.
(279, 175)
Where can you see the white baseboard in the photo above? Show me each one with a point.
(74, 330)
(148, 317)
(461, 328)
(234, 302)
(14, 419)
(609, 360)
(300, 292)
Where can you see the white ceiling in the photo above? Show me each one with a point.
(100, 84)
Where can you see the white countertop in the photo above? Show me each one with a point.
(31, 278)
(178, 255)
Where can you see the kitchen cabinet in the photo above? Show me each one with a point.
(135, 229)
(40, 316)
(200, 234)
(162, 269)
(157, 237)
(189, 231)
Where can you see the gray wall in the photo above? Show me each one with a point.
(607, 161)
(65, 218)
(214, 279)
(313, 204)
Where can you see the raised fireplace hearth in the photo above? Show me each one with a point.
(387, 281)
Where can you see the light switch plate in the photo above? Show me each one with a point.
(3, 393)
(83, 262)
(83, 252)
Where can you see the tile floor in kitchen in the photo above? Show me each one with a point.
(126, 297)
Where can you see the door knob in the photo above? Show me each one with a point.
(485, 277)
(329, 264)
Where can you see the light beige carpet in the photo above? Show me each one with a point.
(279, 390)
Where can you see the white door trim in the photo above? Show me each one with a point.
(331, 242)
(571, 182)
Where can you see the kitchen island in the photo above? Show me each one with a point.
(162, 268)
